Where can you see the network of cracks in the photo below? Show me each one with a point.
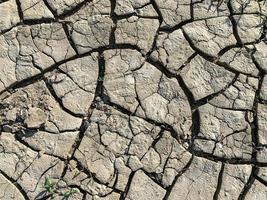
(133, 99)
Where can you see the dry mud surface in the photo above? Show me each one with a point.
(133, 99)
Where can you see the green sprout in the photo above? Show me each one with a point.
(70, 192)
(49, 186)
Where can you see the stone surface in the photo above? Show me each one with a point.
(50, 143)
(141, 8)
(199, 76)
(14, 155)
(62, 7)
(173, 51)
(249, 27)
(198, 182)
(8, 190)
(240, 60)
(90, 27)
(119, 80)
(260, 55)
(28, 50)
(257, 191)
(224, 133)
(75, 83)
(35, 9)
(243, 6)
(137, 31)
(240, 95)
(174, 12)
(209, 9)
(261, 117)
(133, 99)
(9, 15)
(21, 102)
(142, 187)
(263, 90)
(210, 35)
(233, 181)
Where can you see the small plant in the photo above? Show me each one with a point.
(49, 186)
(68, 193)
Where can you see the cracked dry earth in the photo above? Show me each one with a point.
(133, 99)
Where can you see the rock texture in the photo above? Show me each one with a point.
(133, 99)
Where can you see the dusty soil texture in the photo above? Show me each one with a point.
(133, 99)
